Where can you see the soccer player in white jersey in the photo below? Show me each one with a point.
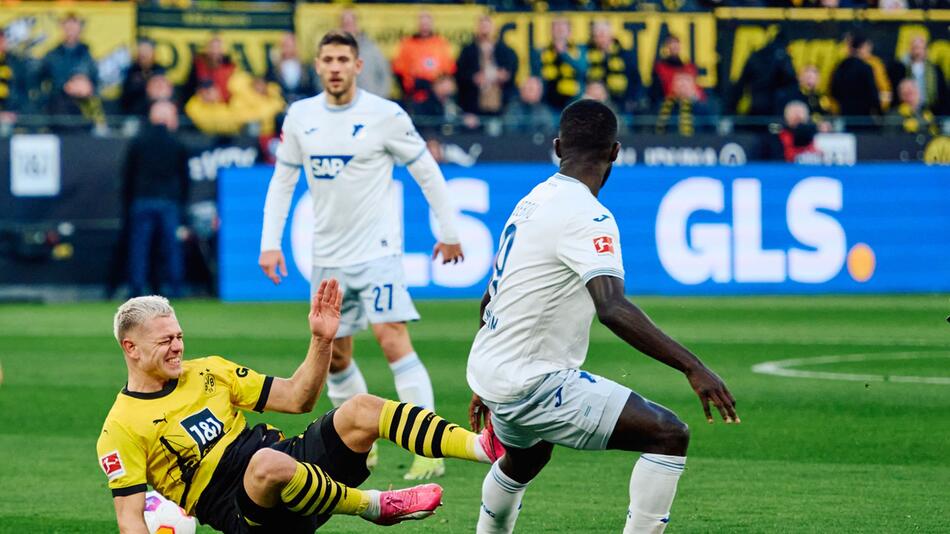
(347, 141)
(558, 264)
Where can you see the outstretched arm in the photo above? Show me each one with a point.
(425, 171)
(630, 324)
(276, 206)
(280, 192)
(407, 146)
(299, 393)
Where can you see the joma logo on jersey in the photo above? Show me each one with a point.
(328, 167)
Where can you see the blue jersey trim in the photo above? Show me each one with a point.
(602, 272)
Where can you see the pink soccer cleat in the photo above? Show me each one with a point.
(417, 502)
(491, 444)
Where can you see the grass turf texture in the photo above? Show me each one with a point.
(810, 456)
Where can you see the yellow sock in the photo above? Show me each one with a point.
(423, 432)
(312, 492)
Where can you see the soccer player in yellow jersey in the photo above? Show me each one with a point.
(178, 426)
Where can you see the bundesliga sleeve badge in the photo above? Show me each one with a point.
(112, 465)
(604, 244)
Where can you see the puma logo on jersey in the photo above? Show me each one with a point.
(328, 167)
(356, 129)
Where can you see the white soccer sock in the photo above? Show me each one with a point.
(652, 488)
(412, 381)
(501, 502)
(345, 384)
(371, 513)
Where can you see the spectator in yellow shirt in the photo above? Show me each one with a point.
(256, 102)
(210, 113)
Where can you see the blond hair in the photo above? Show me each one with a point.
(137, 311)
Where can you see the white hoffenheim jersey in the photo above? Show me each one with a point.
(348, 154)
(538, 320)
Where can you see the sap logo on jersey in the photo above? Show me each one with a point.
(693, 252)
(328, 167)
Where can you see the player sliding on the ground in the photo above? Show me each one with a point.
(177, 425)
(347, 141)
(558, 262)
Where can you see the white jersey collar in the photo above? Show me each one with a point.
(334, 109)
(567, 178)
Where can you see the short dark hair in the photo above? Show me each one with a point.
(339, 37)
(587, 128)
(858, 39)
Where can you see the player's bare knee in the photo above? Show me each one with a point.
(269, 468)
(360, 414)
(675, 436)
(523, 465)
(393, 339)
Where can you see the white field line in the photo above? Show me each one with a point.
(784, 367)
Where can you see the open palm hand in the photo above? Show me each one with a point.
(325, 309)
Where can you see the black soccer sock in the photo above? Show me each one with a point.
(252, 513)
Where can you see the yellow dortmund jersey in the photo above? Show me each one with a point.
(173, 439)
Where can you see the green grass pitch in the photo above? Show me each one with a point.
(811, 455)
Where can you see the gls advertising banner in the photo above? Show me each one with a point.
(685, 231)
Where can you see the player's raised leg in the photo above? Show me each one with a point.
(649, 428)
(276, 481)
(363, 419)
(413, 386)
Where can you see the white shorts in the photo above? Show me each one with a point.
(571, 407)
(373, 292)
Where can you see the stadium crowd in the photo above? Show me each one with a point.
(481, 89)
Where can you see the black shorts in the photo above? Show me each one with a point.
(319, 444)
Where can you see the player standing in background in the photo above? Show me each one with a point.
(347, 141)
(558, 262)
